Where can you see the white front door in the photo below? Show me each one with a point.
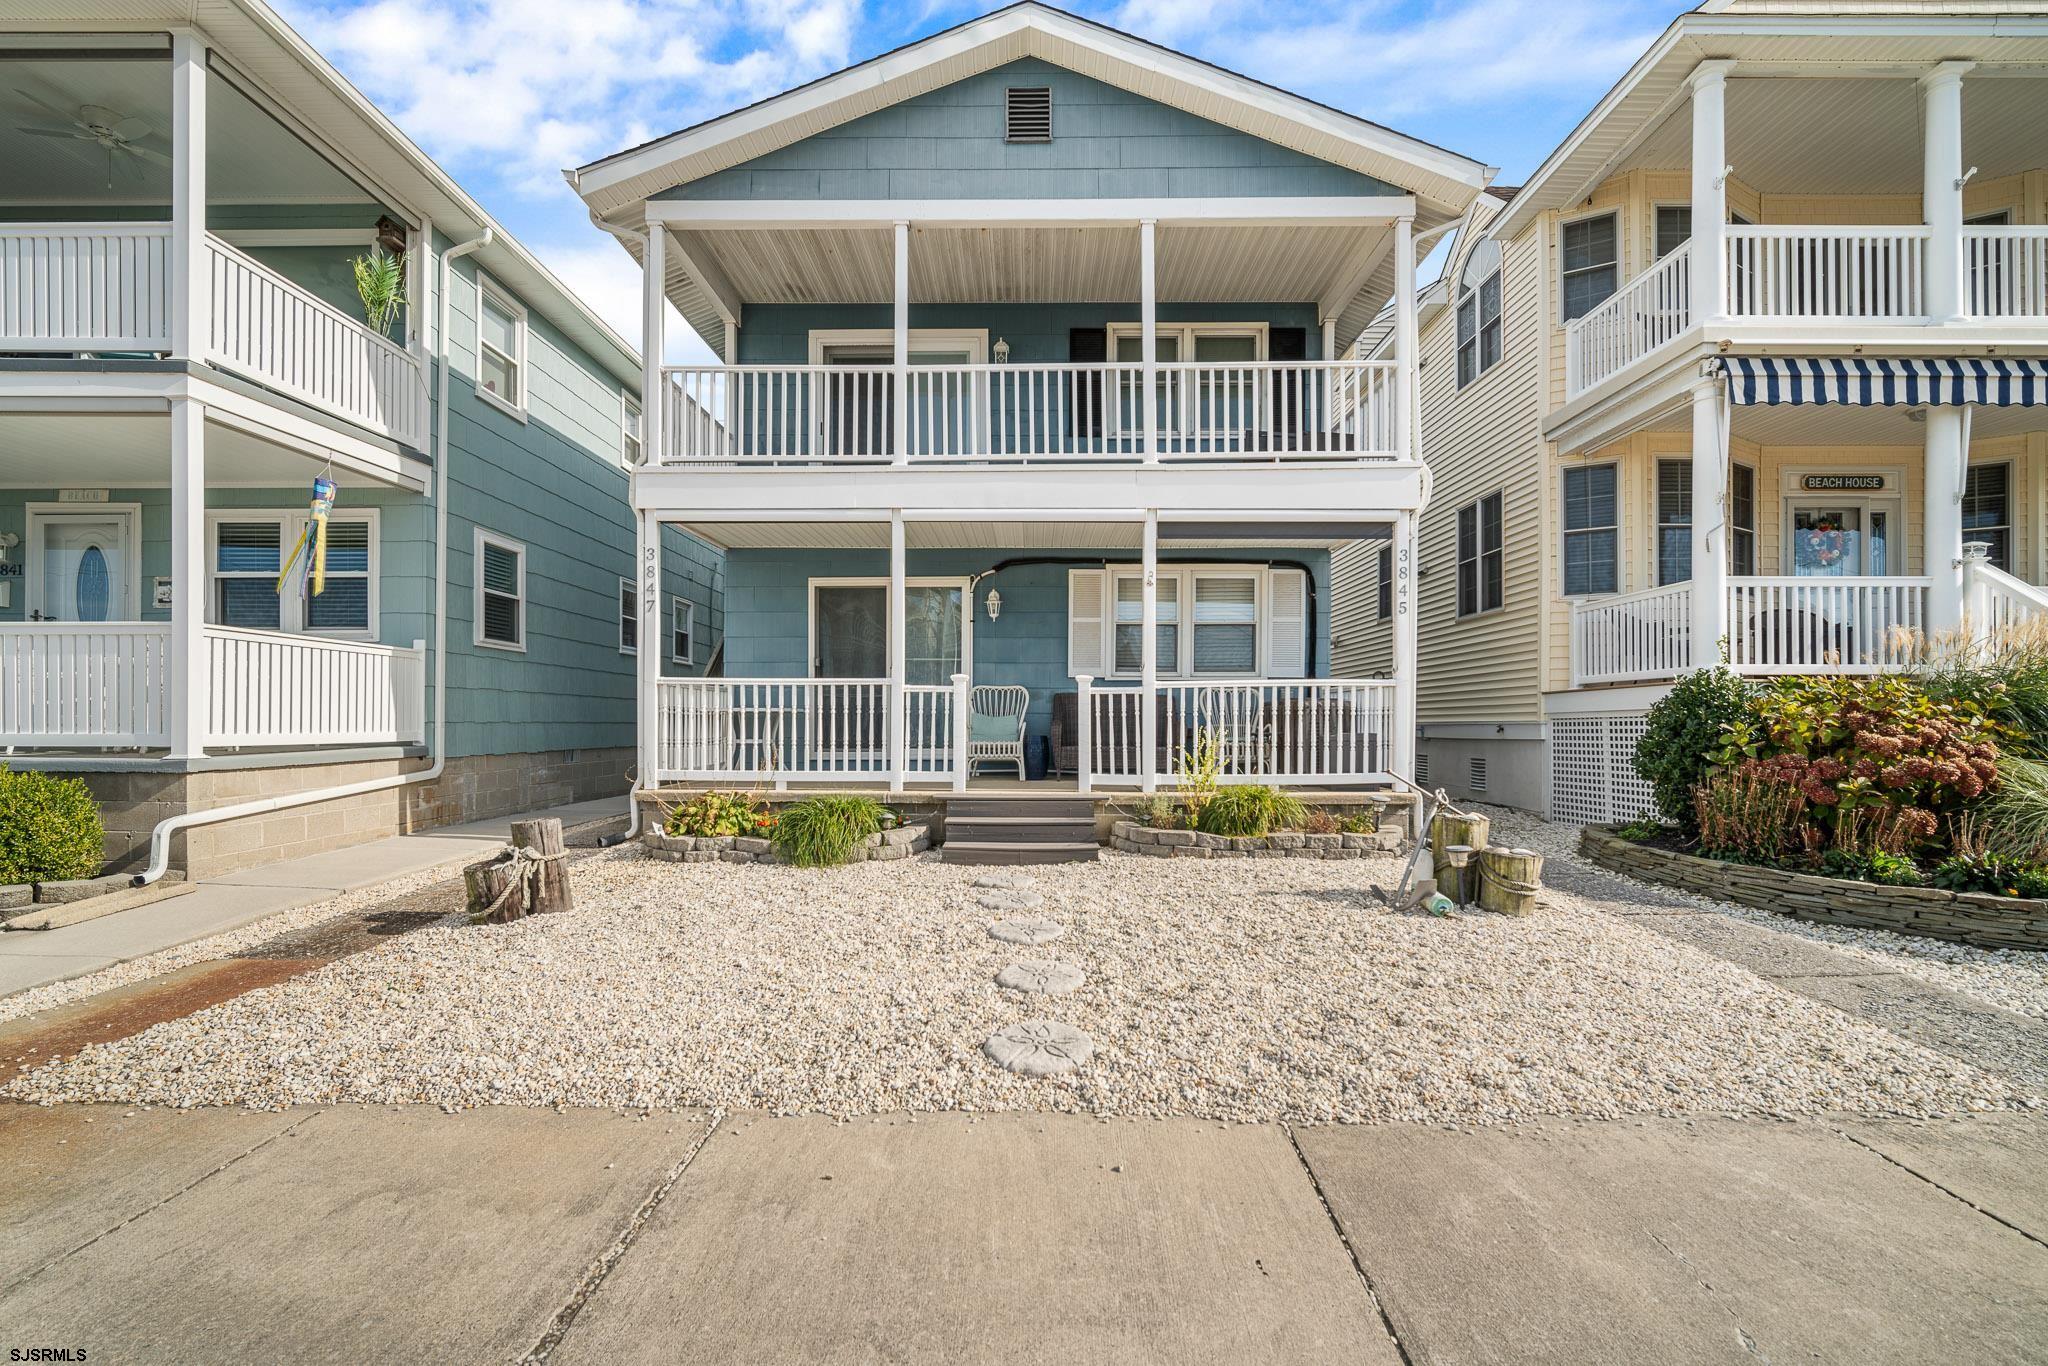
(85, 567)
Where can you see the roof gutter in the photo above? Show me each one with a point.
(160, 837)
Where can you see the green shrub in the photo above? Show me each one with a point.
(2015, 815)
(50, 829)
(1160, 813)
(823, 832)
(2006, 678)
(1640, 829)
(1686, 727)
(720, 813)
(1993, 873)
(1253, 809)
(1890, 870)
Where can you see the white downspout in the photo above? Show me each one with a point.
(160, 837)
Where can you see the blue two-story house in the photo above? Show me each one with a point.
(1030, 431)
(184, 351)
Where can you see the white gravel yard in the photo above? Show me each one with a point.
(2013, 979)
(1245, 990)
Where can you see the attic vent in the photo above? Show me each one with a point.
(1027, 114)
(1421, 769)
(1477, 773)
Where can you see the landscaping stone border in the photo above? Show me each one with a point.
(911, 837)
(18, 899)
(1131, 837)
(1986, 922)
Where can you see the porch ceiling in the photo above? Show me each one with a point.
(133, 450)
(1839, 425)
(1845, 135)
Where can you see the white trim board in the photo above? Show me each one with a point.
(1248, 212)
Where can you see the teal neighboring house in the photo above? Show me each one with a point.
(1036, 419)
(183, 352)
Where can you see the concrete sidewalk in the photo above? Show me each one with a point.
(33, 958)
(509, 1235)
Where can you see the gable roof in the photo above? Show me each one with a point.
(1442, 181)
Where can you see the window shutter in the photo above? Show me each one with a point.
(1087, 601)
(1086, 346)
(1287, 623)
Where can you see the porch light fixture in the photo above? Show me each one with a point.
(995, 604)
(1000, 352)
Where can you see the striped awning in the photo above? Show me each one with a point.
(1859, 382)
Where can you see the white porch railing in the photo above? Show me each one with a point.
(274, 331)
(1818, 625)
(1632, 636)
(1648, 311)
(772, 729)
(1265, 731)
(269, 688)
(85, 685)
(1828, 274)
(2007, 271)
(1025, 412)
(1994, 601)
(85, 287)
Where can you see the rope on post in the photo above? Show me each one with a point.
(525, 877)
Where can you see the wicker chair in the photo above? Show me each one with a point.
(997, 709)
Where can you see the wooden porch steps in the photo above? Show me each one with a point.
(990, 830)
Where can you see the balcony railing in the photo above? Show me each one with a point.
(1775, 626)
(1650, 310)
(1827, 274)
(282, 336)
(107, 685)
(85, 287)
(1030, 413)
(1261, 730)
(2007, 271)
(106, 287)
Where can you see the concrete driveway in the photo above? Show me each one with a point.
(508, 1235)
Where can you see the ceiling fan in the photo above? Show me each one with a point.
(95, 123)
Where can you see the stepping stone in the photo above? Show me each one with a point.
(1006, 902)
(1042, 979)
(1038, 1048)
(1030, 929)
(1009, 882)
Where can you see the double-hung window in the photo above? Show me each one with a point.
(1674, 228)
(1130, 623)
(1479, 313)
(1987, 510)
(1386, 584)
(1591, 561)
(629, 429)
(248, 549)
(1226, 625)
(500, 605)
(1674, 521)
(1592, 264)
(500, 347)
(629, 618)
(1741, 520)
(682, 634)
(1481, 587)
(1219, 400)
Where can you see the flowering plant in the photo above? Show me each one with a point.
(720, 813)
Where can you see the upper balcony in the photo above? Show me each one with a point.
(1030, 414)
(126, 238)
(1786, 275)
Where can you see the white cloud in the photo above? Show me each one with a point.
(607, 279)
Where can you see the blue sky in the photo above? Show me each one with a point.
(505, 93)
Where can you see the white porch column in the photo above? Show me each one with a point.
(647, 663)
(1148, 657)
(1946, 461)
(1709, 526)
(1709, 200)
(1084, 733)
(191, 673)
(963, 716)
(1148, 333)
(1401, 744)
(191, 274)
(1407, 443)
(902, 343)
(653, 341)
(1941, 191)
(897, 649)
